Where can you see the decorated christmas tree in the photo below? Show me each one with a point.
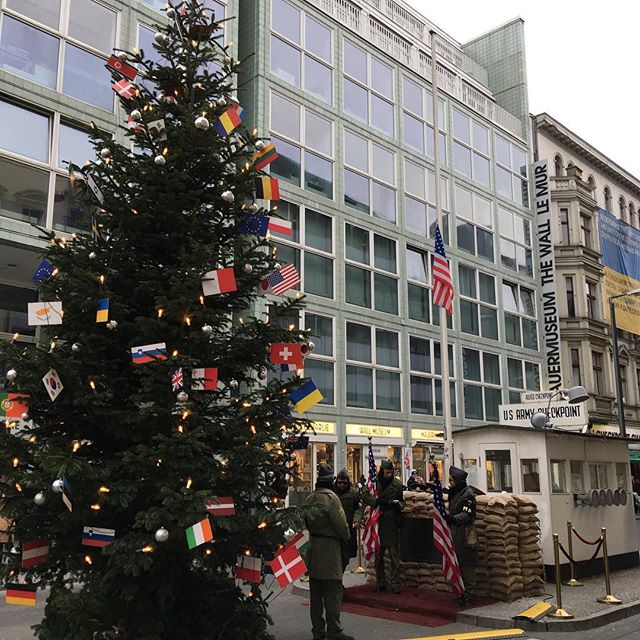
(147, 444)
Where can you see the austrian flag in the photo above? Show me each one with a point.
(221, 506)
(288, 566)
(34, 552)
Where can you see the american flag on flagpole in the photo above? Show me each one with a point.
(441, 276)
(442, 539)
(370, 537)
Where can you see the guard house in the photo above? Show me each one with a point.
(577, 475)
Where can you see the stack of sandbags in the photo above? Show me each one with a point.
(529, 549)
(418, 504)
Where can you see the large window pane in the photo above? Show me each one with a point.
(358, 286)
(29, 52)
(74, 146)
(462, 159)
(93, 24)
(415, 215)
(491, 368)
(417, 268)
(321, 373)
(45, 11)
(503, 182)
(387, 348)
(469, 317)
(384, 253)
(383, 162)
(357, 241)
(318, 133)
(419, 303)
(356, 191)
(358, 342)
(318, 79)
(318, 275)
(355, 61)
(318, 174)
(489, 322)
(68, 214)
(492, 399)
(285, 19)
(386, 294)
(287, 165)
(285, 61)
(381, 78)
(318, 231)
(471, 364)
(383, 202)
(23, 131)
(285, 117)
(419, 354)
(461, 126)
(473, 402)
(359, 387)
(421, 395)
(24, 193)
(512, 329)
(466, 237)
(317, 39)
(86, 78)
(413, 132)
(322, 333)
(356, 101)
(382, 115)
(387, 391)
(481, 170)
(291, 212)
(13, 309)
(356, 151)
(484, 244)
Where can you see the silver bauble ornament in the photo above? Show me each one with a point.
(233, 383)
(105, 153)
(277, 266)
(262, 374)
(24, 416)
(197, 563)
(12, 374)
(207, 328)
(136, 115)
(87, 164)
(160, 160)
(227, 196)
(92, 255)
(260, 145)
(270, 475)
(202, 123)
(122, 56)
(288, 534)
(39, 498)
(161, 535)
(253, 207)
(312, 346)
(56, 486)
(247, 268)
(221, 101)
(171, 12)
(112, 324)
(160, 97)
(75, 347)
(182, 396)
(160, 38)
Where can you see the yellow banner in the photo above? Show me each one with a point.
(627, 308)
(426, 434)
(324, 427)
(374, 431)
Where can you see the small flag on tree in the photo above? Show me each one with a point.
(97, 537)
(300, 541)
(219, 281)
(95, 189)
(13, 405)
(21, 594)
(43, 272)
(286, 353)
(125, 88)
(177, 380)
(288, 566)
(102, 314)
(280, 281)
(158, 130)
(254, 225)
(278, 225)
(267, 188)
(199, 533)
(52, 384)
(135, 125)
(67, 495)
(204, 379)
(34, 552)
(122, 67)
(229, 120)
(265, 156)
(149, 353)
(441, 275)
(44, 313)
(249, 569)
(221, 506)
(307, 396)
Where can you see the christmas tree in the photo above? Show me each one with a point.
(146, 450)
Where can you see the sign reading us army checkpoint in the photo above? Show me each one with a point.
(561, 413)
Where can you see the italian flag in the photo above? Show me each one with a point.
(199, 533)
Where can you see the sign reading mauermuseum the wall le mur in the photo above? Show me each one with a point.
(550, 321)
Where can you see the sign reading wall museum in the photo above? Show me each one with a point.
(550, 320)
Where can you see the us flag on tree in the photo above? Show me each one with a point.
(442, 539)
(370, 537)
(441, 276)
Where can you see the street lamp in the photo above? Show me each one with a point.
(616, 361)
(540, 419)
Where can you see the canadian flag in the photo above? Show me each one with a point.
(249, 569)
(288, 566)
(219, 281)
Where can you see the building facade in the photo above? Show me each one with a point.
(344, 91)
(584, 185)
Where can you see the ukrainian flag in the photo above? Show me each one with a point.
(307, 396)
(102, 314)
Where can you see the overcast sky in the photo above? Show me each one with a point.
(582, 62)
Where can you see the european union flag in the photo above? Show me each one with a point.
(254, 225)
(43, 272)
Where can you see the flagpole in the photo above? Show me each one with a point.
(444, 332)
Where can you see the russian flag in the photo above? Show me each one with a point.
(97, 537)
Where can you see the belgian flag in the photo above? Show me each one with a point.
(267, 188)
(22, 594)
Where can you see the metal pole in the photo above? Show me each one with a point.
(616, 370)
(359, 568)
(559, 612)
(572, 582)
(444, 336)
(607, 598)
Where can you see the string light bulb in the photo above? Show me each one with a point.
(92, 384)
(88, 560)
(15, 462)
(76, 446)
(148, 549)
(95, 507)
(262, 525)
(189, 483)
(101, 278)
(104, 489)
(160, 312)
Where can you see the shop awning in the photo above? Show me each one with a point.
(634, 456)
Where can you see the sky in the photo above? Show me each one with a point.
(582, 62)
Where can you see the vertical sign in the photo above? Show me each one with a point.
(550, 321)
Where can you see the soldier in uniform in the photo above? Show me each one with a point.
(391, 504)
(352, 505)
(328, 532)
(461, 516)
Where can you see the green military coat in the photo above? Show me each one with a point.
(353, 509)
(390, 521)
(328, 531)
(462, 508)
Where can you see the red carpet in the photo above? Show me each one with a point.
(426, 608)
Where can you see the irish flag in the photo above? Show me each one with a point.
(199, 533)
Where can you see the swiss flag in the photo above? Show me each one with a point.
(288, 566)
(205, 379)
(286, 353)
(219, 281)
(122, 67)
(249, 569)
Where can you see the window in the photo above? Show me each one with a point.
(564, 226)
(92, 23)
(370, 267)
(417, 120)
(558, 479)
(558, 165)
(530, 475)
(474, 223)
(585, 231)
(498, 464)
(607, 199)
(623, 209)
(368, 89)
(519, 315)
(599, 475)
(523, 376)
(576, 376)
(482, 384)
(426, 377)
(26, 194)
(310, 247)
(68, 213)
(571, 296)
(511, 171)
(471, 148)
(13, 308)
(598, 373)
(577, 476)
(48, 13)
(320, 363)
(515, 242)
(24, 132)
(419, 294)
(306, 155)
(632, 215)
(376, 194)
(621, 476)
(373, 368)
(420, 199)
(301, 54)
(74, 145)
(478, 305)
(623, 381)
(590, 292)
